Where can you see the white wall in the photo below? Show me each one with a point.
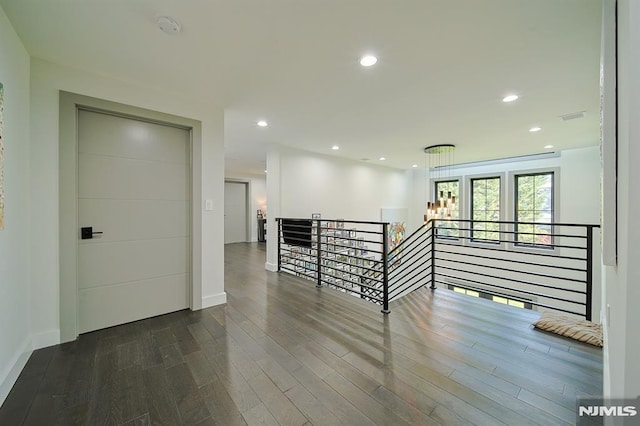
(46, 81)
(15, 339)
(300, 183)
(336, 187)
(622, 282)
(257, 198)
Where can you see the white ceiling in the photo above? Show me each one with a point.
(443, 67)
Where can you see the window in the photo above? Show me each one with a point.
(485, 206)
(448, 229)
(510, 302)
(498, 299)
(534, 205)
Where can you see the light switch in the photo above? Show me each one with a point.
(208, 205)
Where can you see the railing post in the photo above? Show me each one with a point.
(385, 269)
(433, 254)
(318, 254)
(589, 269)
(279, 234)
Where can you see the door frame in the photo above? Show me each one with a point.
(70, 103)
(247, 205)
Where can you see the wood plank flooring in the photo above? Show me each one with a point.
(282, 352)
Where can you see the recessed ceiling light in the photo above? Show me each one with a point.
(382, 158)
(509, 98)
(414, 166)
(265, 171)
(548, 146)
(535, 129)
(262, 123)
(368, 60)
(335, 147)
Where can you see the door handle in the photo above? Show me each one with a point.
(87, 233)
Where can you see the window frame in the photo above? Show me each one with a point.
(459, 202)
(501, 207)
(513, 179)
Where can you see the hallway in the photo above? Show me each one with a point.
(283, 352)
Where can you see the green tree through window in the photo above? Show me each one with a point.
(485, 206)
(534, 204)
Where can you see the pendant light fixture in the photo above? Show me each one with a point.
(439, 159)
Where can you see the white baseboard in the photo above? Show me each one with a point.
(45, 339)
(9, 377)
(271, 267)
(214, 300)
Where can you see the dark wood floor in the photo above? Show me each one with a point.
(283, 352)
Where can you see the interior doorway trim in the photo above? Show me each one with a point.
(70, 103)
(247, 203)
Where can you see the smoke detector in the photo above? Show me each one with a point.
(169, 25)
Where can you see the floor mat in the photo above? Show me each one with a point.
(574, 328)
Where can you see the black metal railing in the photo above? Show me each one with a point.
(347, 255)
(527, 264)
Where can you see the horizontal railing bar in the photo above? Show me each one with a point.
(296, 258)
(405, 260)
(415, 243)
(333, 268)
(409, 289)
(511, 280)
(521, 262)
(506, 222)
(338, 233)
(347, 247)
(361, 222)
(413, 249)
(423, 231)
(372, 288)
(516, 243)
(298, 273)
(510, 232)
(528, 253)
(512, 297)
(515, 272)
(502, 231)
(532, 293)
(423, 277)
(410, 271)
(323, 241)
(426, 273)
(366, 277)
(377, 299)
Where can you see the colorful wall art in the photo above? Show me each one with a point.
(397, 218)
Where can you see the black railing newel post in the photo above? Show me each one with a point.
(319, 254)
(433, 255)
(385, 268)
(279, 233)
(589, 271)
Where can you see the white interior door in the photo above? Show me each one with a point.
(235, 212)
(134, 187)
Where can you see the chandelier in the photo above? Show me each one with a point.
(439, 159)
